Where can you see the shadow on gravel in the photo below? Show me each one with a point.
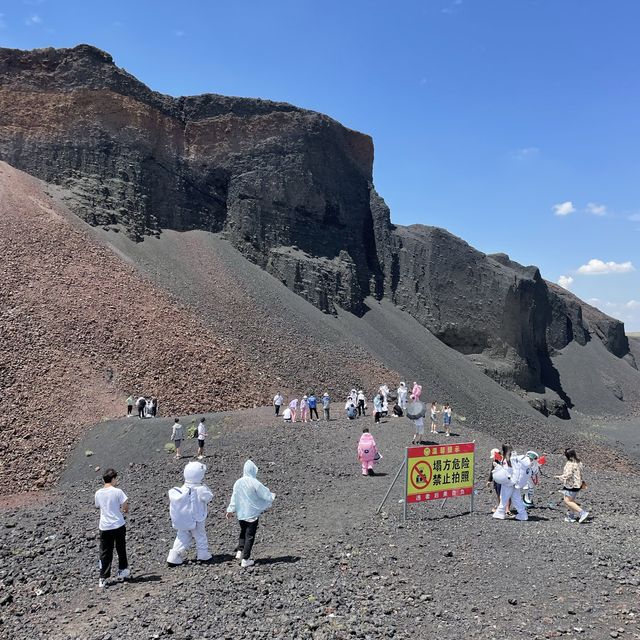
(225, 557)
(533, 518)
(278, 560)
(150, 577)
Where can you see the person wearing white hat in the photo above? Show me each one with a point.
(188, 508)
(402, 396)
(512, 475)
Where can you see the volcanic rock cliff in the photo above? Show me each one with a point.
(292, 190)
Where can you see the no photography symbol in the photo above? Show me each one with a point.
(421, 475)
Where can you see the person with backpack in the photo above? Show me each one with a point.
(367, 453)
(177, 436)
(113, 504)
(249, 500)
(573, 482)
(141, 403)
(512, 474)
(188, 509)
(312, 401)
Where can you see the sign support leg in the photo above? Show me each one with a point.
(473, 484)
(406, 475)
(386, 495)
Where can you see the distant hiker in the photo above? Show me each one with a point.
(534, 478)
(249, 500)
(495, 458)
(277, 402)
(113, 503)
(397, 411)
(416, 391)
(286, 414)
(351, 411)
(188, 510)
(304, 409)
(419, 428)
(434, 417)
(377, 407)
(148, 409)
(446, 419)
(129, 405)
(293, 405)
(154, 407)
(511, 473)
(362, 403)
(402, 395)
(313, 406)
(384, 394)
(326, 405)
(141, 404)
(367, 452)
(202, 434)
(573, 480)
(177, 435)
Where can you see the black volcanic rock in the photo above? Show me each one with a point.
(292, 190)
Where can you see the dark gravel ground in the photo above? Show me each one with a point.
(326, 565)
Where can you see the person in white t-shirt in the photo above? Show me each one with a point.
(113, 504)
(277, 402)
(202, 434)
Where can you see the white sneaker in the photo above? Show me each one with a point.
(124, 574)
(102, 583)
(569, 519)
(247, 563)
(200, 457)
(583, 516)
(238, 555)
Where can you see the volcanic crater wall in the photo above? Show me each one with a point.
(292, 190)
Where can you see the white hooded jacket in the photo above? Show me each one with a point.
(250, 497)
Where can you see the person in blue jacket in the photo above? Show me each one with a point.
(249, 500)
(313, 406)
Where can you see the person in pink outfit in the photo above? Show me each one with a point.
(304, 409)
(416, 391)
(367, 452)
(293, 405)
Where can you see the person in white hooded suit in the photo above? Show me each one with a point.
(188, 508)
(249, 500)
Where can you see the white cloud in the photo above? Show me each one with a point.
(563, 208)
(634, 217)
(632, 304)
(526, 152)
(33, 20)
(565, 281)
(598, 267)
(596, 209)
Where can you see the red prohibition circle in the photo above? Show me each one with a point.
(416, 472)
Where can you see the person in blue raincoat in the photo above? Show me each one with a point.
(249, 500)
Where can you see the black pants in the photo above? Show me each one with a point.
(313, 410)
(376, 416)
(107, 541)
(361, 410)
(129, 409)
(277, 406)
(247, 537)
(141, 412)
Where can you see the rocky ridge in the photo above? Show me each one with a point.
(292, 190)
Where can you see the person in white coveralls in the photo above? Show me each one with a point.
(188, 508)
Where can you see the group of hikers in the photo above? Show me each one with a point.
(305, 409)
(146, 407)
(514, 478)
(188, 510)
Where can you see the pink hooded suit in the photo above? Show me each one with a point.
(416, 391)
(367, 452)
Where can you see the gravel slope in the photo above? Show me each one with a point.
(327, 566)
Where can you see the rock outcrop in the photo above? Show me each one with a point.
(292, 190)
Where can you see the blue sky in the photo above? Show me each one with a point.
(512, 123)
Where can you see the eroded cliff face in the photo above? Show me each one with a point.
(292, 189)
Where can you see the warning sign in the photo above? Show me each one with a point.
(437, 472)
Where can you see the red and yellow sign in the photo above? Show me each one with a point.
(439, 471)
